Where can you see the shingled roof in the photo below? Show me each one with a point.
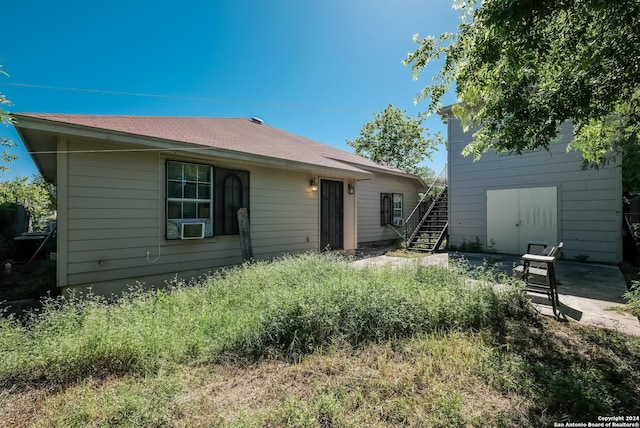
(240, 135)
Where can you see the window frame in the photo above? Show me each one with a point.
(198, 200)
(395, 209)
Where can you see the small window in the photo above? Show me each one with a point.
(397, 209)
(391, 211)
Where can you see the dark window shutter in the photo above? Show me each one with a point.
(386, 208)
(231, 192)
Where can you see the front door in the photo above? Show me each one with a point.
(331, 215)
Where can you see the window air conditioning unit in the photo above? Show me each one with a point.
(191, 230)
(398, 221)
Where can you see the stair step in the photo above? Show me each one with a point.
(429, 231)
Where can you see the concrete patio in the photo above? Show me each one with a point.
(589, 293)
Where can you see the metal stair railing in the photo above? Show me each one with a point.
(426, 216)
(414, 220)
(400, 234)
(443, 233)
(631, 237)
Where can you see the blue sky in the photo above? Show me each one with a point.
(319, 69)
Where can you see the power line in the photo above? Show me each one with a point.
(185, 98)
(155, 149)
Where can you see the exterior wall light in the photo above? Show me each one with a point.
(351, 189)
(314, 185)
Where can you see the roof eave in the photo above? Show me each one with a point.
(66, 129)
(47, 165)
(383, 170)
(446, 110)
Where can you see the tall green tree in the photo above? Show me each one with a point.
(36, 195)
(396, 139)
(5, 119)
(523, 67)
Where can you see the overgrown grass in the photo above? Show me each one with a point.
(313, 341)
(526, 377)
(286, 308)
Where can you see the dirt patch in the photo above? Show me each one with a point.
(372, 250)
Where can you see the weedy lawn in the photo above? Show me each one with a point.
(312, 341)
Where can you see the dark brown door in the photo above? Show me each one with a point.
(331, 215)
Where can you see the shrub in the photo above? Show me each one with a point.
(633, 298)
(469, 247)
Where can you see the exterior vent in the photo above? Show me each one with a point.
(257, 120)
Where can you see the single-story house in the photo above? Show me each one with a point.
(141, 199)
(502, 201)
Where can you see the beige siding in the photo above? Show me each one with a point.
(368, 194)
(350, 218)
(589, 201)
(112, 212)
(284, 213)
(115, 223)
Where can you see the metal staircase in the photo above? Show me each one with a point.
(631, 238)
(427, 225)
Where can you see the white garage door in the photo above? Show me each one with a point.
(517, 216)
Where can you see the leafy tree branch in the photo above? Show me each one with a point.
(5, 119)
(396, 139)
(521, 68)
(36, 195)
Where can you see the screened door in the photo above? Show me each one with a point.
(331, 215)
